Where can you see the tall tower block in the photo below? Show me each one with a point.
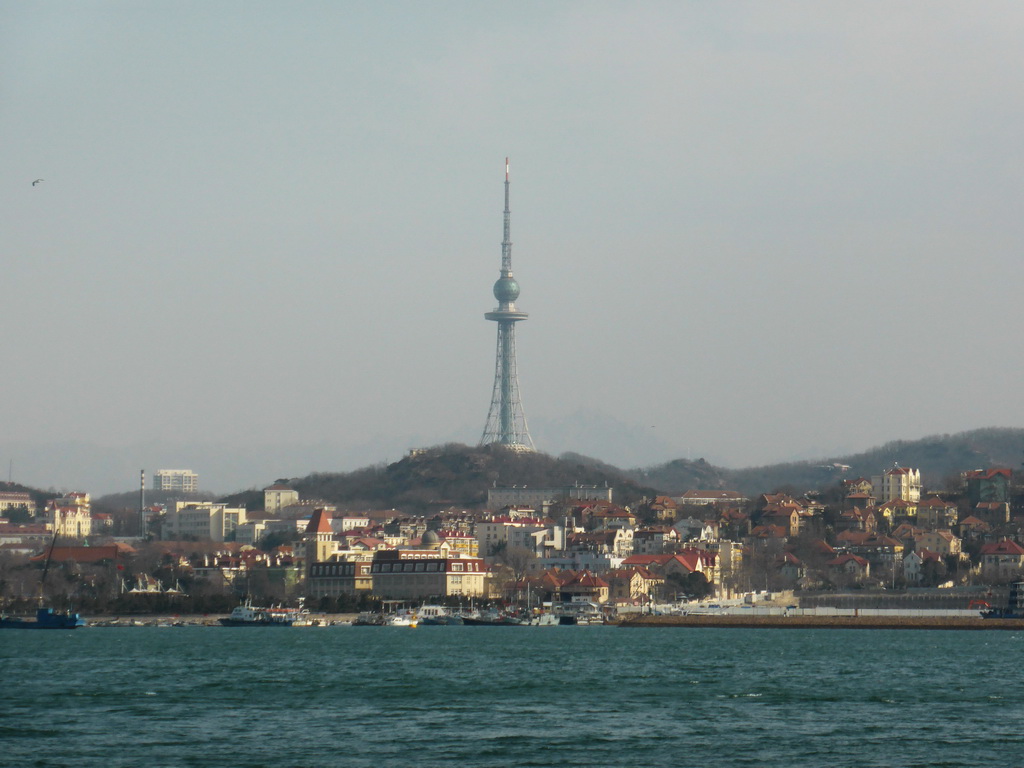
(506, 422)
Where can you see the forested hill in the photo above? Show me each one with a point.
(458, 475)
(939, 457)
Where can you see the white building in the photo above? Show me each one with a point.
(181, 480)
(278, 496)
(70, 516)
(897, 483)
(505, 533)
(16, 500)
(202, 520)
(520, 496)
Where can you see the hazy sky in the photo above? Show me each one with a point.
(744, 231)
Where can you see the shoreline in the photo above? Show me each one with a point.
(824, 622)
(195, 620)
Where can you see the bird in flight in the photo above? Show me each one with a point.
(36, 182)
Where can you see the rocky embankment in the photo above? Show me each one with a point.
(823, 622)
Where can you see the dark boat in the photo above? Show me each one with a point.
(46, 618)
(492, 619)
(1014, 605)
(248, 615)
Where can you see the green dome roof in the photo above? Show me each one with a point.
(506, 289)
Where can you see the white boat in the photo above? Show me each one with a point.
(437, 614)
(401, 619)
(248, 615)
(542, 620)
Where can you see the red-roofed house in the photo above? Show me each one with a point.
(988, 485)
(319, 538)
(933, 512)
(914, 565)
(971, 528)
(790, 568)
(628, 585)
(585, 587)
(856, 519)
(850, 566)
(85, 555)
(1002, 560)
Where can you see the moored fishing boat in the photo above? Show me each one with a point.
(1014, 608)
(401, 619)
(46, 618)
(248, 615)
(491, 619)
(432, 615)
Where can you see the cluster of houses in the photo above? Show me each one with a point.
(574, 543)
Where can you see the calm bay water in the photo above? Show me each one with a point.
(510, 696)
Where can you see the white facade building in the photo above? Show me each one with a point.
(202, 520)
(278, 496)
(520, 496)
(897, 483)
(182, 480)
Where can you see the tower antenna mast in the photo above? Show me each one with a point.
(506, 422)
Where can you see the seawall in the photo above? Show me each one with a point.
(823, 622)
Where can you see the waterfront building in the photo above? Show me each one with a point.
(416, 574)
(179, 480)
(790, 568)
(1002, 560)
(849, 568)
(680, 564)
(914, 564)
(630, 585)
(339, 577)
(585, 587)
(319, 541)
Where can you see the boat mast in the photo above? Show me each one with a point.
(49, 557)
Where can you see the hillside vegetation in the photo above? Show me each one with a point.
(459, 475)
(939, 457)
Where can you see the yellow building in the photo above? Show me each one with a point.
(415, 574)
(71, 516)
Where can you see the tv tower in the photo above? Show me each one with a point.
(506, 422)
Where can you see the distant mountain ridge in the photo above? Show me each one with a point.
(459, 475)
(937, 456)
